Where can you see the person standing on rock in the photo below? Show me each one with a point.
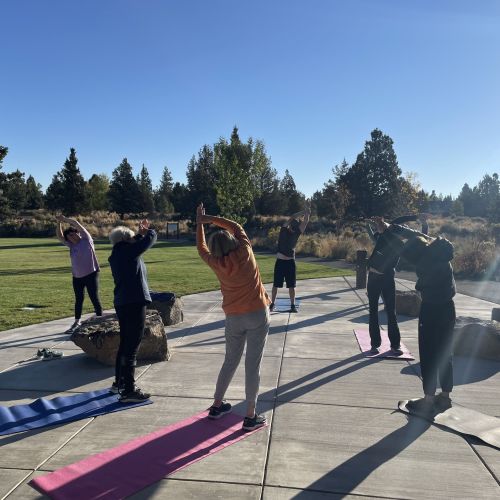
(131, 295)
(436, 284)
(245, 301)
(285, 269)
(381, 271)
(84, 265)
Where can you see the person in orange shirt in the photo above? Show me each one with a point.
(245, 301)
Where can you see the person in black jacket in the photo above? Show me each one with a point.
(436, 284)
(131, 294)
(381, 270)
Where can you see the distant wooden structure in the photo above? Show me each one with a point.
(172, 230)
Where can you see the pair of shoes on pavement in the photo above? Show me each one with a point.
(272, 307)
(135, 396)
(249, 423)
(48, 354)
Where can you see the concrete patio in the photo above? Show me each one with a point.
(333, 430)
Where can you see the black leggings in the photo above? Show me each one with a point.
(383, 284)
(131, 318)
(91, 282)
(435, 344)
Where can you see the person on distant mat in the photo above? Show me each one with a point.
(84, 265)
(131, 295)
(285, 269)
(245, 301)
(436, 284)
(381, 270)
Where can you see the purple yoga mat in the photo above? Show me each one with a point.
(130, 467)
(363, 338)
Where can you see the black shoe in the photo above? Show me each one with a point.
(49, 355)
(215, 412)
(249, 424)
(271, 306)
(442, 402)
(135, 396)
(374, 350)
(396, 351)
(293, 309)
(421, 406)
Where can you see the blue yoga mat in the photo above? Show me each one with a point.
(283, 305)
(45, 412)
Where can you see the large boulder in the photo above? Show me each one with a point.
(168, 305)
(408, 302)
(100, 338)
(477, 338)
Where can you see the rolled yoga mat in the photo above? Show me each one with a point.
(283, 305)
(130, 467)
(44, 412)
(363, 338)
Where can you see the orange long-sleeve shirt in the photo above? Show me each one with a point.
(238, 273)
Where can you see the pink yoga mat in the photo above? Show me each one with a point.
(363, 338)
(130, 467)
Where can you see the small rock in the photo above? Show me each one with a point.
(169, 306)
(477, 338)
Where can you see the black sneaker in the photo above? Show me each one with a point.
(50, 355)
(271, 306)
(293, 309)
(74, 326)
(421, 405)
(215, 412)
(249, 424)
(396, 351)
(442, 402)
(135, 396)
(374, 350)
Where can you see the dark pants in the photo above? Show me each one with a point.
(383, 284)
(91, 283)
(435, 344)
(131, 318)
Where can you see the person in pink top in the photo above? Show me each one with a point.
(84, 265)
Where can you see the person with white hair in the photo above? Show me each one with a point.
(131, 295)
(245, 301)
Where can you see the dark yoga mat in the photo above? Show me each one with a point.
(464, 421)
(283, 305)
(122, 471)
(45, 412)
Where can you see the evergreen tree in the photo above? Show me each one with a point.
(294, 199)
(146, 189)
(334, 199)
(15, 190)
(4, 202)
(181, 200)
(55, 193)
(163, 195)
(202, 179)
(374, 179)
(34, 195)
(97, 192)
(124, 194)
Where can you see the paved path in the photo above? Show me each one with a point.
(333, 430)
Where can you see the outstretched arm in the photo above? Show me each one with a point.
(59, 232)
(145, 237)
(74, 223)
(305, 220)
(407, 232)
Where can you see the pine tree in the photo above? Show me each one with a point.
(34, 195)
(294, 200)
(15, 190)
(146, 189)
(124, 193)
(202, 178)
(4, 202)
(163, 195)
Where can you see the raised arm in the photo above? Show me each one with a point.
(305, 220)
(145, 239)
(59, 232)
(75, 224)
(373, 234)
(407, 232)
(423, 220)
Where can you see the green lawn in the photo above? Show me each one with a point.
(36, 273)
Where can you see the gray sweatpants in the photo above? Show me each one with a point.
(253, 328)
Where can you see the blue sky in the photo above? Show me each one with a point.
(154, 80)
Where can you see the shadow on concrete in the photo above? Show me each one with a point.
(347, 476)
(465, 370)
